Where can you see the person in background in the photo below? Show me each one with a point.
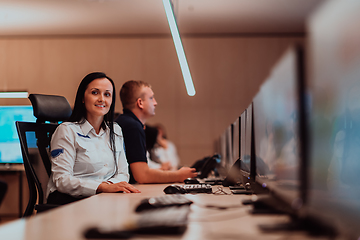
(165, 150)
(87, 154)
(139, 105)
(151, 134)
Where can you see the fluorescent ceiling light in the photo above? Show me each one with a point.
(14, 94)
(179, 48)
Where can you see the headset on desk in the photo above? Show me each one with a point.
(206, 165)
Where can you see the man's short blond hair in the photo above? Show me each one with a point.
(130, 92)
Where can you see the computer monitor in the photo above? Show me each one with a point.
(334, 84)
(229, 147)
(246, 139)
(236, 140)
(222, 152)
(277, 131)
(10, 151)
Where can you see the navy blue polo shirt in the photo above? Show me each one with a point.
(134, 138)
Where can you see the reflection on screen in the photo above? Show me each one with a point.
(335, 116)
(276, 119)
(10, 151)
(229, 156)
(236, 140)
(245, 154)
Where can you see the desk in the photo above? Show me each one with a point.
(115, 209)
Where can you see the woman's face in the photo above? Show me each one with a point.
(98, 97)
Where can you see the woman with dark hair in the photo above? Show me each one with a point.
(87, 152)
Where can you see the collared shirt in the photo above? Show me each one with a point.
(134, 137)
(81, 159)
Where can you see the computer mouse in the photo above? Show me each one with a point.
(191, 181)
(174, 189)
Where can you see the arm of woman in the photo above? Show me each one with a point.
(119, 182)
(122, 173)
(116, 187)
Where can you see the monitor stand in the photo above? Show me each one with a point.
(233, 176)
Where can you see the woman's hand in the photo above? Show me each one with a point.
(109, 187)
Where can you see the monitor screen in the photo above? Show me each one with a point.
(276, 130)
(223, 149)
(10, 151)
(236, 140)
(229, 149)
(246, 144)
(334, 84)
(248, 138)
(243, 167)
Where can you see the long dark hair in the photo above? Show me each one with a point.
(79, 111)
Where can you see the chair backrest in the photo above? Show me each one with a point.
(35, 143)
(50, 108)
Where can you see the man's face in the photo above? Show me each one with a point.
(149, 102)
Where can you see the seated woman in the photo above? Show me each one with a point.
(166, 149)
(87, 154)
(162, 151)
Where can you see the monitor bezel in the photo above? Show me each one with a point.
(236, 140)
(246, 142)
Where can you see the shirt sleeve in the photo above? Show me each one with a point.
(63, 155)
(123, 167)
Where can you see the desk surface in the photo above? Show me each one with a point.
(116, 209)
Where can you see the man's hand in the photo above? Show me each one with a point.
(186, 172)
(109, 187)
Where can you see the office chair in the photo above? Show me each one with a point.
(35, 143)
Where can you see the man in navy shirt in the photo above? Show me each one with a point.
(139, 105)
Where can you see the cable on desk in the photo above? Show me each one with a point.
(220, 191)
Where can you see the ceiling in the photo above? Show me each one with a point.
(132, 17)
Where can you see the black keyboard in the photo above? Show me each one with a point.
(169, 221)
(188, 188)
(163, 201)
(198, 188)
(214, 181)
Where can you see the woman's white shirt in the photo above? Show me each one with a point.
(81, 159)
(168, 154)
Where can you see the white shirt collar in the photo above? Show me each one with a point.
(86, 128)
